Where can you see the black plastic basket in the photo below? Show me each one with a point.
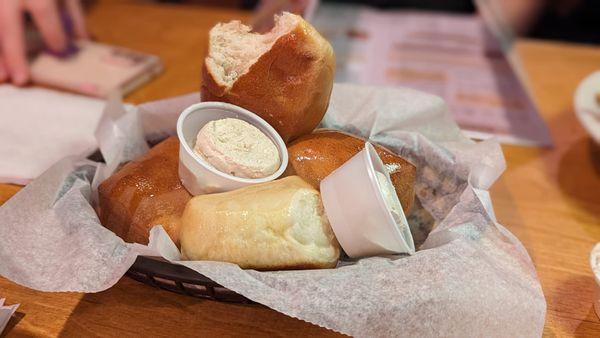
(159, 273)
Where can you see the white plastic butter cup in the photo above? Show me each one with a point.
(196, 174)
(359, 216)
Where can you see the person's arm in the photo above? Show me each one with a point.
(47, 19)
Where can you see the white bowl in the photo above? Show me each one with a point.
(586, 107)
(196, 174)
(359, 216)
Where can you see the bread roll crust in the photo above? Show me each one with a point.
(313, 157)
(271, 226)
(289, 86)
(144, 193)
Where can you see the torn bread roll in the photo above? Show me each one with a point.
(269, 226)
(313, 157)
(284, 76)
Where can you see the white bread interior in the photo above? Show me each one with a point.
(234, 47)
(271, 226)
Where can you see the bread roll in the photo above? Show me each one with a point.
(285, 76)
(315, 156)
(270, 226)
(143, 193)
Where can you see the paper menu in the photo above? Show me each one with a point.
(453, 56)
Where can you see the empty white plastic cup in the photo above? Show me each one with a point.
(358, 214)
(586, 105)
(196, 174)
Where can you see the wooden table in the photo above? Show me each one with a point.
(549, 198)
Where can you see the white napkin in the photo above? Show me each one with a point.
(5, 313)
(39, 126)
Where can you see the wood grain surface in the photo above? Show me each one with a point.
(549, 198)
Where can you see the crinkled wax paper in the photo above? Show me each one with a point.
(471, 277)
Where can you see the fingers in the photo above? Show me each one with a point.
(12, 41)
(47, 19)
(45, 13)
(77, 17)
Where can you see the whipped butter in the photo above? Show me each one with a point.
(236, 147)
(391, 199)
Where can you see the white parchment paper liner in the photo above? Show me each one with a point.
(6, 311)
(471, 277)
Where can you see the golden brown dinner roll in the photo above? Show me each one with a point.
(285, 76)
(144, 193)
(269, 226)
(315, 156)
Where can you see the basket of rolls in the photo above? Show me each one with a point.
(360, 209)
(241, 183)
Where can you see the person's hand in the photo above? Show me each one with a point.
(47, 19)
